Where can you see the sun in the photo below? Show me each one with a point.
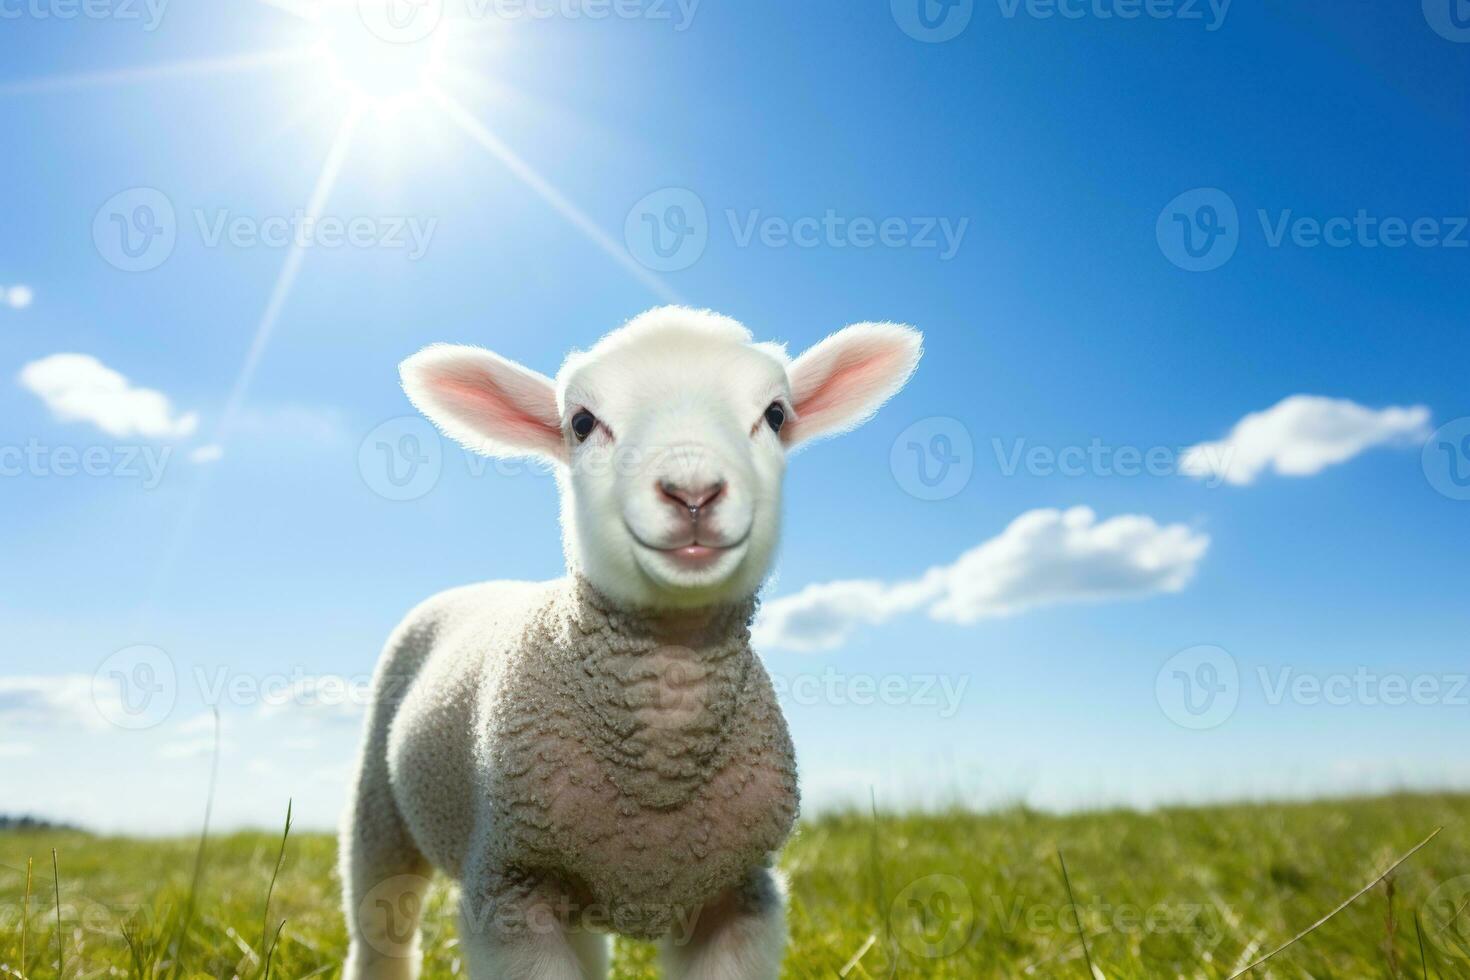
(376, 74)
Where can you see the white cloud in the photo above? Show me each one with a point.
(211, 453)
(17, 297)
(1301, 436)
(1044, 557)
(80, 388)
(66, 699)
(14, 750)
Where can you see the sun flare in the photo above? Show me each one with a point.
(379, 75)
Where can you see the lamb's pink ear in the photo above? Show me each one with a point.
(838, 384)
(488, 404)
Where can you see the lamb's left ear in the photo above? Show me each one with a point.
(839, 383)
(487, 403)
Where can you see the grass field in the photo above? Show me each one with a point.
(1174, 893)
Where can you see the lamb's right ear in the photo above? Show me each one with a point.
(490, 405)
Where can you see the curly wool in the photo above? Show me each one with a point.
(549, 742)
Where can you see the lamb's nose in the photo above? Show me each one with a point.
(692, 499)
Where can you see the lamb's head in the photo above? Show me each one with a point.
(669, 437)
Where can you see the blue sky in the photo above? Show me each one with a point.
(1059, 313)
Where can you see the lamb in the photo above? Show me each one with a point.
(604, 753)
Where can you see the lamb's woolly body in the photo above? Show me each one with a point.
(536, 737)
(565, 757)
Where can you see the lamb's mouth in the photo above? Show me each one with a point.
(695, 555)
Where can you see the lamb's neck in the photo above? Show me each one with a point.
(658, 690)
(711, 628)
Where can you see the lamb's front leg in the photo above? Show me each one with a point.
(526, 934)
(740, 935)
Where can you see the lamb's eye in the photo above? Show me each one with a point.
(775, 417)
(582, 424)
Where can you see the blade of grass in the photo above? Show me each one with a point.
(265, 919)
(60, 939)
(1077, 914)
(1423, 957)
(270, 954)
(1356, 895)
(25, 920)
(138, 969)
(1391, 930)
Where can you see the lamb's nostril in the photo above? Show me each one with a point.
(692, 499)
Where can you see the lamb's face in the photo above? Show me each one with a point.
(673, 490)
(670, 436)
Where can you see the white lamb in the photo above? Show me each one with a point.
(604, 753)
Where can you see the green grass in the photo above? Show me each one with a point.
(1175, 893)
